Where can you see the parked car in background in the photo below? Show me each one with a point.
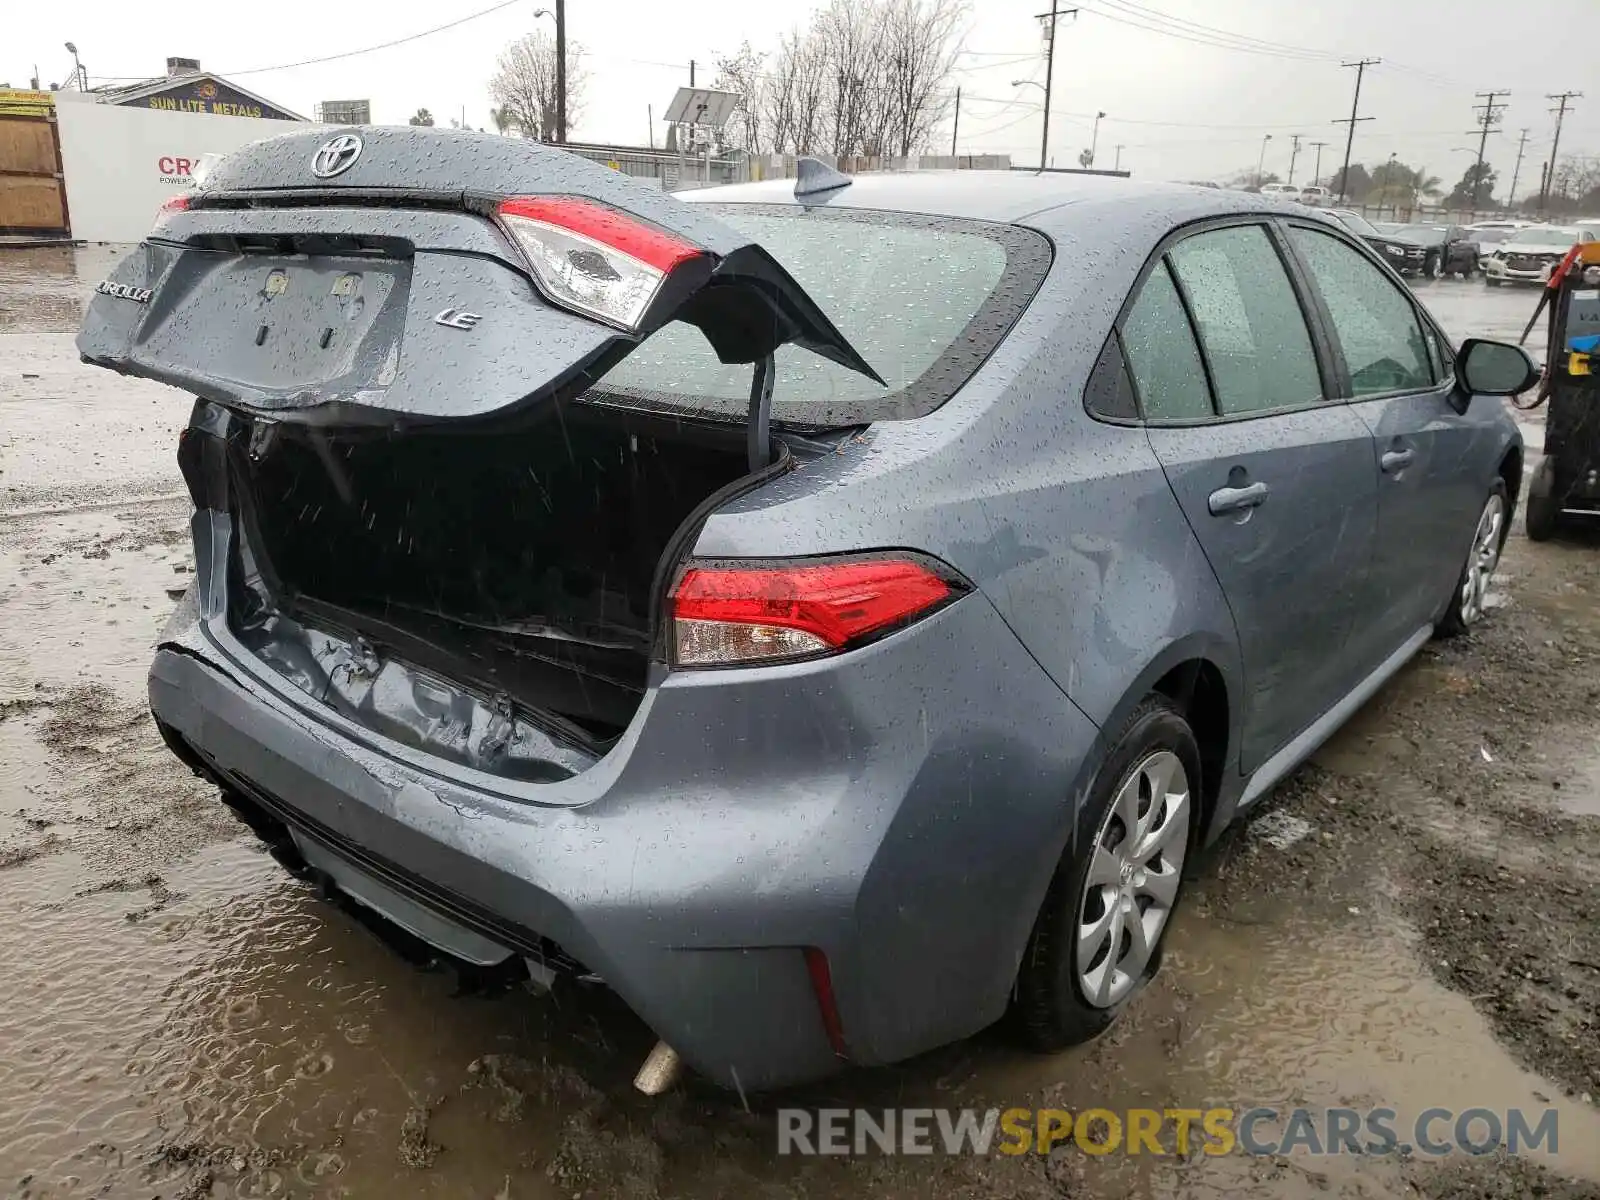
(1531, 253)
(1316, 197)
(815, 610)
(1401, 253)
(1281, 191)
(1487, 238)
(1449, 249)
(1507, 224)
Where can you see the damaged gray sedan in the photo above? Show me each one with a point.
(831, 613)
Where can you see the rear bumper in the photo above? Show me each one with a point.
(900, 808)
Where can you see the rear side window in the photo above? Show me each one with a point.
(1162, 354)
(925, 300)
(1375, 322)
(1250, 323)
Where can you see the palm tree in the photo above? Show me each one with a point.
(503, 118)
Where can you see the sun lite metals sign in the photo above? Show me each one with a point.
(205, 95)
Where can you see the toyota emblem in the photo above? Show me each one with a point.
(336, 156)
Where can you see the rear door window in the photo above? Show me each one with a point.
(1249, 319)
(1374, 321)
(1166, 365)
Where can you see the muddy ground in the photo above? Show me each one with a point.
(1412, 920)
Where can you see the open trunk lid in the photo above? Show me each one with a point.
(393, 276)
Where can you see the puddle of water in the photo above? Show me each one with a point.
(1580, 788)
(86, 593)
(1297, 1011)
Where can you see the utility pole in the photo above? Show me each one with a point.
(561, 72)
(1316, 176)
(956, 128)
(1511, 196)
(1294, 153)
(1355, 104)
(1050, 18)
(1555, 145)
(1491, 116)
(691, 72)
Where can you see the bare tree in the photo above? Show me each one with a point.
(867, 77)
(921, 42)
(791, 96)
(849, 37)
(421, 117)
(741, 73)
(524, 85)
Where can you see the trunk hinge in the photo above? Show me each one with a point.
(758, 437)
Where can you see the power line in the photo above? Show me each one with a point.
(1350, 140)
(1522, 143)
(380, 46)
(1491, 116)
(1196, 28)
(1316, 171)
(1555, 144)
(1050, 18)
(1123, 18)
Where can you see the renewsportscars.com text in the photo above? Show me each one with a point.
(1433, 1132)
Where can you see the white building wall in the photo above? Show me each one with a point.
(121, 163)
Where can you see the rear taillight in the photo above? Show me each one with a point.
(171, 205)
(727, 614)
(592, 258)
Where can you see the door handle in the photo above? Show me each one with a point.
(1396, 460)
(1237, 499)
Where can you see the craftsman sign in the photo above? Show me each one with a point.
(176, 169)
(204, 95)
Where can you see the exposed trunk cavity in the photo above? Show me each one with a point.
(519, 563)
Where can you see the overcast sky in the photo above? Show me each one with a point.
(1180, 108)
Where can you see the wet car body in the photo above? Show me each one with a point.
(783, 867)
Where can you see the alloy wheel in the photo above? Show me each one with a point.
(1482, 559)
(1133, 878)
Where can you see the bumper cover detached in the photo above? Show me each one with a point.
(900, 808)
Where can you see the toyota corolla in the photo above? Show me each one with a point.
(831, 613)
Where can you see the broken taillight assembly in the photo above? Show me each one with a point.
(591, 258)
(170, 206)
(749, 613)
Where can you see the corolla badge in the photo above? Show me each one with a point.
(336, 156)
(123, 291)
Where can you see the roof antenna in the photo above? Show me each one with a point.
(813, 177)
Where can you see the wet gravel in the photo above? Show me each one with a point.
(1413, 919)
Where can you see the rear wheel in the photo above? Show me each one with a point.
(1544, 511)
(1098, 935)
(1467, 604)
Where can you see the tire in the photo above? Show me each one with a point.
(1433, 266)
(1490, 281)
(1056, 1004)
(1544, 513)
(1466, 606)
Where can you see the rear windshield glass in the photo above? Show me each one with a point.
(925, 301)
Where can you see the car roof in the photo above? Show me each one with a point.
(1003, 196)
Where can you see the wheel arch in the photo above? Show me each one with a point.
(1510, 469)
(1202, 675)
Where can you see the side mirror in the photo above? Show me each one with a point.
(1495, 368)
